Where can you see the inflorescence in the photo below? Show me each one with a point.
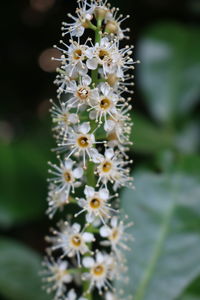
(91, 128)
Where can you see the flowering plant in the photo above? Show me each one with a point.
(91, 129)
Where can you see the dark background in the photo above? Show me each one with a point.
(28, 31)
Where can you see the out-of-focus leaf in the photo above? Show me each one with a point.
(165, 257)
(192, 292)
(22, 176)
(19, 267)
(170, 70)
(147, 138)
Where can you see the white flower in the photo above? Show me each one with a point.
(71, 240)
(82, 93)
(111, 169)
(56, 200)
(116, 235)
(105, 105)
(108, 55)
(66, 177)
(102, 54)
(62, 118)
(96, 204)
(113, 24)
(100, 271)
(77, 27)
(56, 276)
(73, 57)
(81, 142)
(119, 130)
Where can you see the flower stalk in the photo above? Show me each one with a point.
(91, 130)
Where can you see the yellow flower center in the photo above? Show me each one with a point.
(98, 270)
(115, 234)
(83, 93)
(83, 141)
(95, 203)
(76, 240)
(67, 176)
(103, 54)
(105, 103)
(77, 54)
(107, 166)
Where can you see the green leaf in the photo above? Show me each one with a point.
(170, 70)
(147, 138)
(19, 278)
(23, 181)
(165, 257)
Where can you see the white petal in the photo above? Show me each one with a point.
(78, 172)
(71, 295)
(86, 80)
(104, 194)
(89, 191)
(89, 52)
(96, 156)
(105, 88)
(92, 64)
(104, 231)
(109, 153)
(114, 222)
(73, 118)
(88, 237)
(84, 128)
(76, 227)
(90, 218)
(92, 115)
(88, 262)
(99, 257)
(109, 125)
(69, 163)
(81, 202)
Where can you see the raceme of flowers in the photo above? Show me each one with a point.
(91, 126)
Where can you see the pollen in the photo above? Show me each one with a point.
(103, 54)
(76, 240)
(95, 203)
(83, 93)
(67, 176)
(77, 54)
(83, 141)
(98, 270)
(107, 166)
(105, 103)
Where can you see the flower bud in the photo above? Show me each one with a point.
(100, 12)
(111, 27)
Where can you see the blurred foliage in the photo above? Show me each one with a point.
(165, 206)
(19, 272)
(166, 212)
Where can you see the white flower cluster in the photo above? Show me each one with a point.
(91, 128)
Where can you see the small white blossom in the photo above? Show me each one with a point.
(56, 200)
(73, 56)
(71, 240)
(62, 118)
(82, 93)
(111, 168)
(56, 276)
(100, 271)
(66, 176)
(116, 236)
(79, 23)
(81, 142)
(105, 104)
(96, 204)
